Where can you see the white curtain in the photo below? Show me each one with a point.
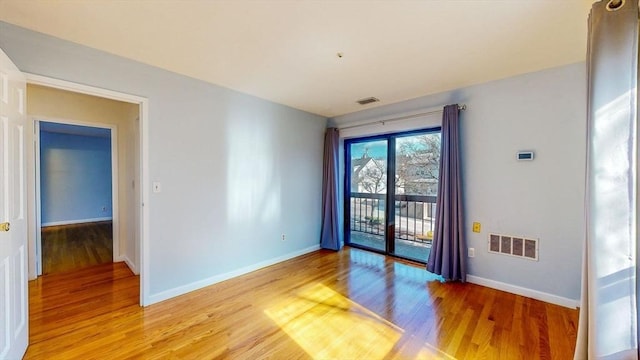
(608, 327)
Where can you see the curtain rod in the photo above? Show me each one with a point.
(460, 107)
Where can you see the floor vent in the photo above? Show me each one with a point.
(514, 246)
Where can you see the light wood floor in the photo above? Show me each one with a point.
(72, 247)
(324, 305)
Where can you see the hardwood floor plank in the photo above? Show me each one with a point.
(76, 246)
(328, 305)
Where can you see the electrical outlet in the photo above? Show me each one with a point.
(284, 237)
(476, 227)
(472, 252)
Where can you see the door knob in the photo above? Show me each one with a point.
(4, 226)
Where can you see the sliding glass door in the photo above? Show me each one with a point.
(391, 187)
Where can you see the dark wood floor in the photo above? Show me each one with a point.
(324, 305)
(72, 247)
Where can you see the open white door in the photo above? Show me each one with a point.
(13, 223)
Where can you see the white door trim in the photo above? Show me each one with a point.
(115, 201)
(143, 226)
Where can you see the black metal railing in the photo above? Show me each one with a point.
(414, 215)
(367, 213)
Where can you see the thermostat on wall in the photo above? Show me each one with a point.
(524, 155)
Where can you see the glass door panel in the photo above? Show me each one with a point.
(417, 161)
(368, 189)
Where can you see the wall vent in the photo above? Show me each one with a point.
(368, 100)
(518, 246)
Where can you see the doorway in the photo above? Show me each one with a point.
(74, 180)
(391, 185)
(129, 142)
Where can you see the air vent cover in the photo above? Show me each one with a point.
(517, 246)
(368, 100)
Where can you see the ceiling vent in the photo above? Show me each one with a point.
(368, 100)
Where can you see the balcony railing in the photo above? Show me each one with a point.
(414, 215)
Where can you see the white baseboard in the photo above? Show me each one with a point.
(168, 294)
(518, 290)
(129, 263)
(72, 222)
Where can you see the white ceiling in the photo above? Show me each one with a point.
(285, 51)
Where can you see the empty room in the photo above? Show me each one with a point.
(319, 179)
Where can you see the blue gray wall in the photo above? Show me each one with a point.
(237, 171)
(75, 178)
(544, 112)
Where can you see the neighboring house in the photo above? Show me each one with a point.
(368, 175)
(417, 178)
(357, 165)
(414, 176)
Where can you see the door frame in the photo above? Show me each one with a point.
(347, 193)
(142, 226)
(390, 195)
(115, 213)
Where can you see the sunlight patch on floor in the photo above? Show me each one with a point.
(329, 326)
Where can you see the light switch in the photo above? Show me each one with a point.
(157, 187)
(476, 227)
